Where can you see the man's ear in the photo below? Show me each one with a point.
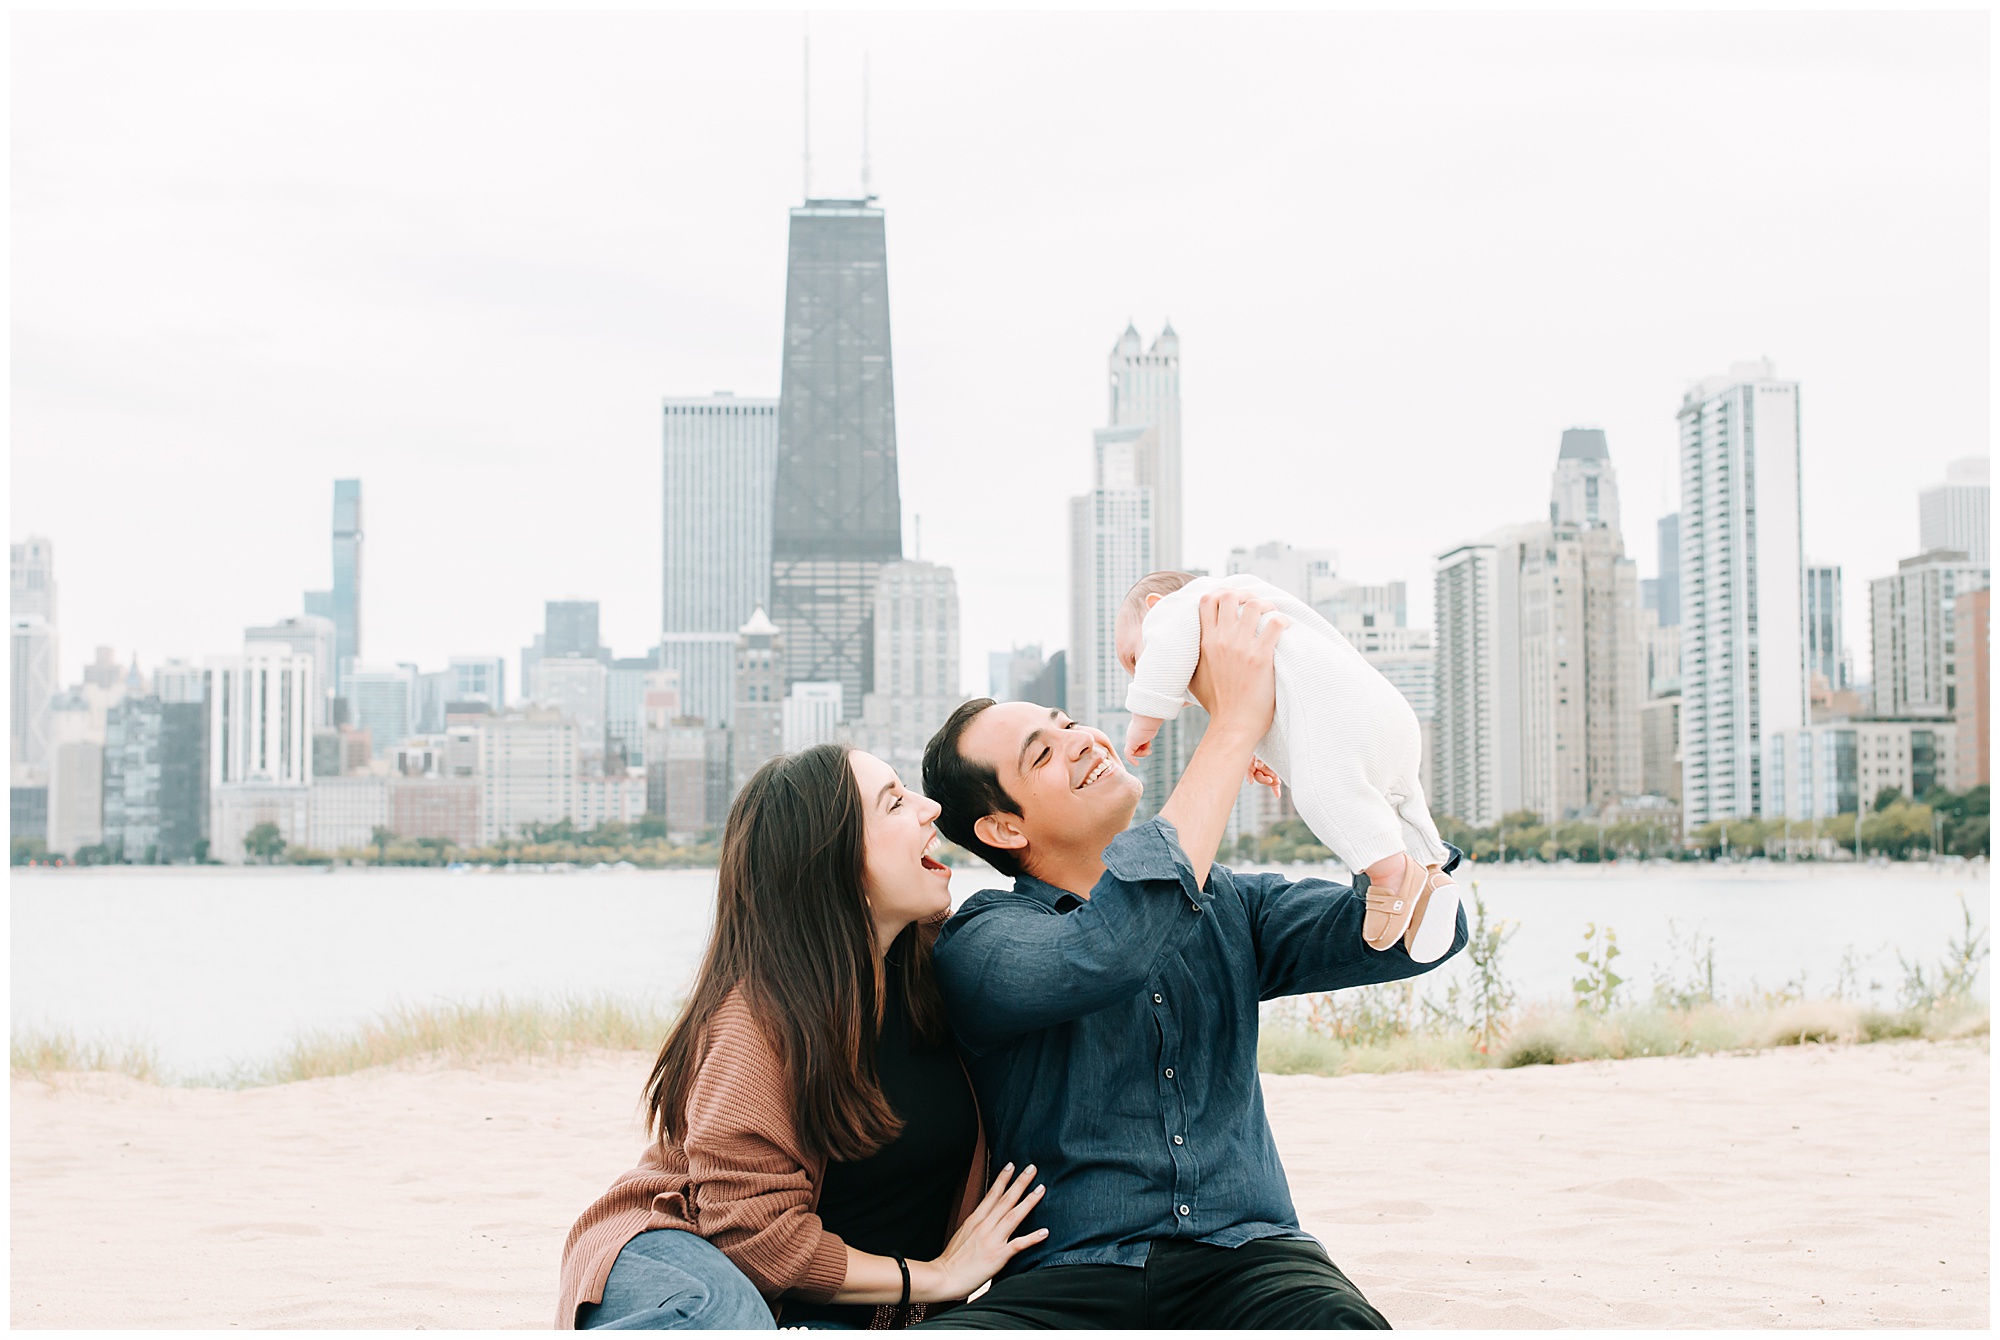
(1152, 599)
(1000, 830)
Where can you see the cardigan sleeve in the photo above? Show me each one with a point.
(749, 1187)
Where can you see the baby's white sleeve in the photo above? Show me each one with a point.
(1172, 634)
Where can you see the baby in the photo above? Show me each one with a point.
(1343, 737)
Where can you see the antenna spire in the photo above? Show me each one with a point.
(867, 193)
(806, 115)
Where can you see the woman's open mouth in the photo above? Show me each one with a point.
(929, 862)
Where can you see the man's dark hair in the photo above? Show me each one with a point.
(967, 791)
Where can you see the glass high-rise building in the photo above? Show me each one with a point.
(1742, 590)
(837, 510)
(343, 603)
(719, 453)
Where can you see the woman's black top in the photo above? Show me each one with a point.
(898, 1200)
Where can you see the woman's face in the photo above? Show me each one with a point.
(904, 883)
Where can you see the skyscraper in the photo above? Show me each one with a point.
(32, 679)
(1111, 547)
(759, 689)
(260, 707)
(569, 628)
(1145, 390)
(837, 509)
(1913, 625)
(916, 663)
(382, 700)
(155, 792)
(1669, 588)
(1476, 720)
(1826, 636)
(719, 459)
(1743, 643)
(31, 578)
(1957, 514)
(1584, 490)
(343, 603)
(309, 635)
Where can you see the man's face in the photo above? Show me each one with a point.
(1065, 777)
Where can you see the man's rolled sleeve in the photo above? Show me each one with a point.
(1308, 936)
(1010, 963)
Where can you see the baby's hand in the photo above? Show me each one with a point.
(1139, 736)
(1261, 775)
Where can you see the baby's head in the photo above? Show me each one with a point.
(1145, 593)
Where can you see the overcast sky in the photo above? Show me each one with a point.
(463, 257)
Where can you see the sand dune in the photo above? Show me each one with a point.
(1815, 1187)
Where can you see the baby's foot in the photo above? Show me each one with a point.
(1393, 888)
(1435, 923)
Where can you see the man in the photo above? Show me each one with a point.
(1108, 1007)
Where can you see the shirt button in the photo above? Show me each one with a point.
(1184, 1210)
(1170, 1072)
(1177, 1139)
(1157, 998)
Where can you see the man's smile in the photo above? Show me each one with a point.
(1097, 764)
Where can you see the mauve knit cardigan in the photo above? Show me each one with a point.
(739, 1179)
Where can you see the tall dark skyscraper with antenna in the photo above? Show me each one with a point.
(837, 513)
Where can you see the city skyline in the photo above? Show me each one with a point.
(474, 424)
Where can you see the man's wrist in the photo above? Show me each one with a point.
(1229, 734)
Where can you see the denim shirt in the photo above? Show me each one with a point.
(1113, 1041)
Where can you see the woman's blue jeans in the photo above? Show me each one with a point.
(667, 1280)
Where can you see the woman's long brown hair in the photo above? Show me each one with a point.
(792, 929)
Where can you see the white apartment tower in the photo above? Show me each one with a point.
(32, 675)
(309, 635)
(916, 662)
(262, 706)
(1476, 723)
(1920, 658)
(1743, 637)
(1111, 547)
(1958, 513)
(1146, 392)
(527, 771)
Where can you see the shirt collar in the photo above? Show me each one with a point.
(1149, 852)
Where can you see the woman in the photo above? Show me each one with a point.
(817, 1152)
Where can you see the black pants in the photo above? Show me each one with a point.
(1270, 1284)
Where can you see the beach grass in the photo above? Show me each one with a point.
(1558, 1036)
(37, 1054)
(459, 1034)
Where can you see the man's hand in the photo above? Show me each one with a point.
(1240, 688)
(1236, 682)
(1261, 775)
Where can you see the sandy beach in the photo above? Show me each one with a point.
(1804, 1187)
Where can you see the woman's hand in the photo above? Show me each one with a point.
(983, 1243)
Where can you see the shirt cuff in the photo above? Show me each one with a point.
(1146, 703)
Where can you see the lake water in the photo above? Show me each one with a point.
(219, 966)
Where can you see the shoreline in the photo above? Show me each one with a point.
(1773, 1189)
(501, 1032)
(1974, 870)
